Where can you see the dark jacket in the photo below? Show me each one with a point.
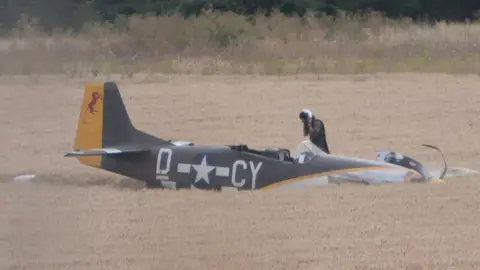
(317, 134)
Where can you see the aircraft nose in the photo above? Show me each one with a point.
(437, 181)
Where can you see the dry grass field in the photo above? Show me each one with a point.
(73, 217)
(229, 44)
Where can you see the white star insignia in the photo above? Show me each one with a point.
(202, 170)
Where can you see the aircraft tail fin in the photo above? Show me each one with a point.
(104, 123)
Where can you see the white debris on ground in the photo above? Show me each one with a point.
(25, 178)
(455, 172)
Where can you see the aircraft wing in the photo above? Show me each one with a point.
(107, 151)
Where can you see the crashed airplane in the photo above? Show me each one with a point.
(106, 139)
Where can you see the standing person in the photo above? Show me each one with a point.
(315, 129)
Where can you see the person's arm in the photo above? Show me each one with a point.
(306, 129)
(315, 130)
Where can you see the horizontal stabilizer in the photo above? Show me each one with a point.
(106, 151)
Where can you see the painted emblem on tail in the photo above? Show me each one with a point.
(91, 105)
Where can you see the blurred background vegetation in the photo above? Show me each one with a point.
(79, 37)
(72, 14)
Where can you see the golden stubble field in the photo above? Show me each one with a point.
(75, 217)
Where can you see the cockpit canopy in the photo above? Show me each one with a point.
(306, 151)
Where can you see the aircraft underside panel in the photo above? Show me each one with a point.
(366, 177)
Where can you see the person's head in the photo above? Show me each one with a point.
(306, 116)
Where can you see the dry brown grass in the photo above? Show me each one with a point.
(77, 219)
(227, 43)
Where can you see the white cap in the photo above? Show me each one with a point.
(307, 112)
